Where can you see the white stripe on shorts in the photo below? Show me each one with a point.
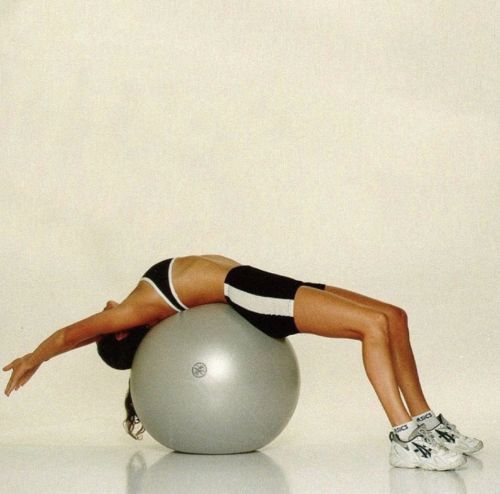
(258, 303)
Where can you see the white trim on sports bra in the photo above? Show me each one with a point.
(171, 284)
(160, 293)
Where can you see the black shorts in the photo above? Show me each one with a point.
(264, 299)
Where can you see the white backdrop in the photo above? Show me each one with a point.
(353, 143)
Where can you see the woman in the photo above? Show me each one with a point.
(279, 306)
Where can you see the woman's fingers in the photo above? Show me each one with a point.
(12, 377)
(21, 373)
(9, 366)
(10, 384)
(12, 381)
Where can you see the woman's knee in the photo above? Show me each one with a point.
(397, 314)
(377, 327)
(398, 322)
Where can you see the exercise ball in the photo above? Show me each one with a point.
(207, 381)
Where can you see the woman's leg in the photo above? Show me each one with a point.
(401, 352)
(326, 314)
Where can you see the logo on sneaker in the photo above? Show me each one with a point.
(401, 428)
(424, 450)
(426, 416)
(446, 435)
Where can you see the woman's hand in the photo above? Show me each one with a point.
(24, 367)
(22, 370)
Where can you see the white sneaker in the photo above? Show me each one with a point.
(448, 436)
(422, 451)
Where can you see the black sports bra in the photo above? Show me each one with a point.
(159, 277)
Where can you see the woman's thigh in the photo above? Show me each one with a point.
(325, 313)
(389, 310)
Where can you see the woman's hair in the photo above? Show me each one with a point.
(132, 419)
(120, 355)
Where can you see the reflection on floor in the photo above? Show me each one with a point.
(317, 467)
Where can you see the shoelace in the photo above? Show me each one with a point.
(429, 438)
(448, 424)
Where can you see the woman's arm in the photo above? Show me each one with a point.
(119, 318)
(55, 345)
(122, 317)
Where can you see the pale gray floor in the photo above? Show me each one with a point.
(350, 465)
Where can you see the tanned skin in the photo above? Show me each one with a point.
(381, 328)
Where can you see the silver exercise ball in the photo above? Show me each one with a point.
(206, 381)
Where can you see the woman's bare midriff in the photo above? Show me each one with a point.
(200, 279)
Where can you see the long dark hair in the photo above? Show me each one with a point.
(120, 355)
(132, 419)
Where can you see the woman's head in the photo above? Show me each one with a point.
(118, 349)
(119, 352)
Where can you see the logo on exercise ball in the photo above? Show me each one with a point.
(199, 369)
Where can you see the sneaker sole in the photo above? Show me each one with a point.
(399, 463)
(469, 451)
